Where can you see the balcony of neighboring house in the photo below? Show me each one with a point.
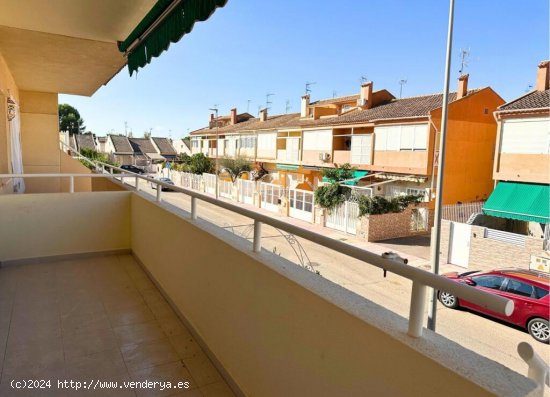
(520, 159)
(341, 144)
(288, 146)
(90, 292)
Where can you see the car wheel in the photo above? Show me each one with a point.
(538, 328)
(448, 300)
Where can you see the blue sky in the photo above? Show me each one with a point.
(250, 48)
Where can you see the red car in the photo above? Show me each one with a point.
(527, 288)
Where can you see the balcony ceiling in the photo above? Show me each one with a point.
(66, 46)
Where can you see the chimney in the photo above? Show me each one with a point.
(462, 86)
(304, 105)
(365, 96)
(263, 114)
(543, 76)
(233, 116)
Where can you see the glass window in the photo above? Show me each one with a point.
(519, 288)
(492, 282)
(540, 293)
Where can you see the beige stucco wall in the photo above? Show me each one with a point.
(7, 88)
(521, 167)
(68, 165)
(40, 139)
(277, 338)
(39, 225)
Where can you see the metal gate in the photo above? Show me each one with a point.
(344, 217)
(300, 204)
(270, 196)
(226, 188)
(246, 191)
(459, 244)
(209, 183)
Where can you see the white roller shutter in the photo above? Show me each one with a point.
(525, 136)
(320, 140)
(421, 137)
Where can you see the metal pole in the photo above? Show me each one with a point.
(71, 184)
(217, 153)
(436, 236)
(193, 208)
(159, 190)
(417, 309)
(257, 242)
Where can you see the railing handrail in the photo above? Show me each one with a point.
(398, 266)
(388, 261)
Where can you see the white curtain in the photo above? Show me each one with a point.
(14, 129)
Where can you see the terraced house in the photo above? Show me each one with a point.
(100, 280)
(393, 143)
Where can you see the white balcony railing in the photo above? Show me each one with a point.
(421, 279)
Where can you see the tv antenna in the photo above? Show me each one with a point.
(126, 128)
(288, 106)
(529, 88)
(248, 105)
(334, 94)
(402, 82)
(464, 55)
(363, 79)
(308, 86)
(268, 101)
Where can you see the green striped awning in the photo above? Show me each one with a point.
(177, 18)
(287, 167)
(522, 201)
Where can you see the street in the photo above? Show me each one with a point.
(484, 336)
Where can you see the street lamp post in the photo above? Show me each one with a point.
(436, 236)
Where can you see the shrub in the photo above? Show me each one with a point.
(379, 205)
(331, 196)
(94, 155)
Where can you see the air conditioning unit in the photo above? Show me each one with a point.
(324, 156)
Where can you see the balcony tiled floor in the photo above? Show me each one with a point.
(95, 319)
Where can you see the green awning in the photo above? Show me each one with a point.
(178, 22)
(522, 201)
(287, 167)
(357, 175)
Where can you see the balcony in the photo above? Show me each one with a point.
(153, 285)
(342, 156)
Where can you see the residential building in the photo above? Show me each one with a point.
(119, 149)
(145, 152)
(100, 143)
(85, 141)
(393, 143)
(522, 161)
(512, 228)
(100, 285)
(164, 148)
(182, 146)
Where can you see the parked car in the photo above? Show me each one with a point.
(164, 188)
(132, 168)
(529, 289)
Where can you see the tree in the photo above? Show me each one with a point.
(200, 164)
(339, 174)
(334, 194)
(70, 120)
(235, 166)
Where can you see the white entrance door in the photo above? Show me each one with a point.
(246, 191)
(270, 196)
(459, 244)
(344, 217)
(301, 204)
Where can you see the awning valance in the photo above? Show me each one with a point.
(167, 22)
(522, 201)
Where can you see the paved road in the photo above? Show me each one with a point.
(487, 337)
